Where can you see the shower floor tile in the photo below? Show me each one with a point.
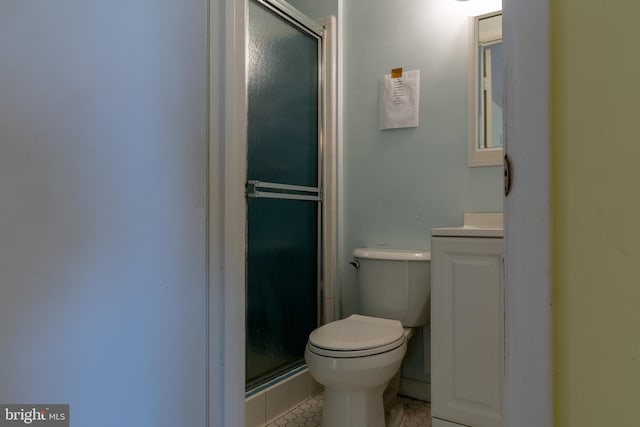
(309, 413)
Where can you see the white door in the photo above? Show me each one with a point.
(467, 326)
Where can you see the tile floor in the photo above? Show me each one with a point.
(309, 412)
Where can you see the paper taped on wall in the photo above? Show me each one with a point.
(399, 100)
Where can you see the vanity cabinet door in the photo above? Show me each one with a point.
(467, 331)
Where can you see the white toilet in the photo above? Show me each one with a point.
(358, 359)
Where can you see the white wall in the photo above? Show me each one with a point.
(103, 209)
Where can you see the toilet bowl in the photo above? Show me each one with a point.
(355, 358)
(358, 359)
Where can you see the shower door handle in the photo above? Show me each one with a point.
(274, 190)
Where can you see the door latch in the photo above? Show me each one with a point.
(508, 171)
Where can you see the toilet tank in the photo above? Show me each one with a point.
(394, 284)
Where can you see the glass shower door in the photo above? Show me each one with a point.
(283, 193)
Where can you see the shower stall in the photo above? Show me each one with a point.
(283, 188)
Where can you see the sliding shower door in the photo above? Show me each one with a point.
(283, 189)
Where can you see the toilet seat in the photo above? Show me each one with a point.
(356, 336)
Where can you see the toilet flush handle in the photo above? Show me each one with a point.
(356, 264)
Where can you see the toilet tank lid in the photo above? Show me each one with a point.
(392, 254)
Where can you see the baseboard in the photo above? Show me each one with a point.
(415, 389)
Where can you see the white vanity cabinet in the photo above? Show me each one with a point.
(467, 327)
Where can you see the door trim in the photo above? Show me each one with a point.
(527, 209)
(227, 159)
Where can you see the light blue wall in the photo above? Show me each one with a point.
(398, 184)
(103, 144)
